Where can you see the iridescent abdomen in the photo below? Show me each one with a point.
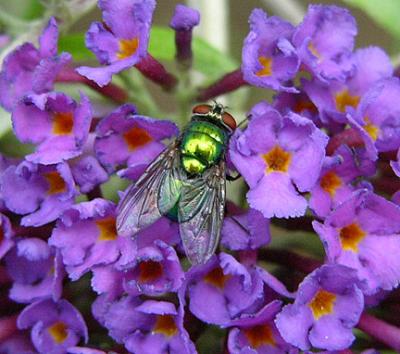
(202, 146)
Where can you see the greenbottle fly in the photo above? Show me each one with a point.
(186, 183)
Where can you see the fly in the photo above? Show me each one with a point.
(186, 183)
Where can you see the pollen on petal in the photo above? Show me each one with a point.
(350, 237)
(56, 183)
(127, 47)
(136, 137)
(344, 99)
(150, 271)
(313, 50)
(330, 182)
(107, 229)
(165, 324)
(277, 159)
(259, 335)
(58, 331)
(371, 129)
(216, 277)
(266, 66)
(63, 123)
(322, 303)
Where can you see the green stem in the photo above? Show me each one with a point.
(139, 94)
(185, 97)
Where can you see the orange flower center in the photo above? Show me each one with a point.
(56, 183)
(63, 123)
(166, 325)
(127, 47)
(58, 332)
(107, 229)
(350, 237)
(330, 182)
(322, 303)
(343, 99)
(305, 105)
(150, 271)
(259, 335)
(136, 137)
(313, 50)
(277, 159)
(371, 129)
(216, 277)
(266, 64)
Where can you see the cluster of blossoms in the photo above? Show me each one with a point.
(329, 137)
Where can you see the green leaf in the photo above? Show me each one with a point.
(383, 12)
(74, 43)
(207, 59)
(5, 122)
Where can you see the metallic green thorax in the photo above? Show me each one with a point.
(202, 145)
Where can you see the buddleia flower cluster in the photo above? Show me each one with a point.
(320, 159)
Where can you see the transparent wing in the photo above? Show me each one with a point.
(201, 212)
(153, 195)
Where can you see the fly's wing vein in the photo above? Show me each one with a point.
(139, 206)
(201, 212)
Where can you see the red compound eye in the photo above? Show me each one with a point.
(202, 109)
(229, 120)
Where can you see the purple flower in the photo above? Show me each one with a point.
(299, 103)
(335, 183)
(121, 41)
(229, 287)
(378, 118)
(363, 233)
(257, 333)
(144, 326)
(56, 123)
(56, 326)
(126, 138)
(183, 21)
(82, 350)
(36, 270)
(276, 154)
(42, 192)
(6, 235)
(101, 244)
(184, 18)
(268, 57)
(108, 280)
(156, 271)
(327, 306)
(325, 40)
(88, 173)
(337, 98)
(246, 231)
(28, 69)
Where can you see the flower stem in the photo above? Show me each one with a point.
(112, 91)
(230, 82)
(152, 69)
(8, 326)
(380, 330)
(140, 95)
